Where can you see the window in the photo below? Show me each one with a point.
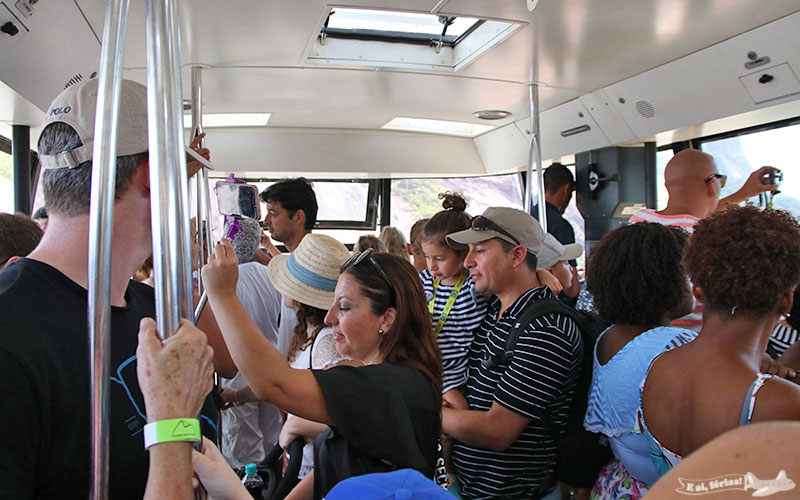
(739, 155)
(411, 40)
(6, 183)
(662, 158)
(347, 208)
(392, 26)
(414, 199)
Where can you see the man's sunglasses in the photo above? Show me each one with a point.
(722, 178)
(366, 255)
(481, 223)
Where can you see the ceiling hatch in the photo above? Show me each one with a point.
(403, 39)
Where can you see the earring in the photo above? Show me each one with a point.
(733, 310)
(381, 332)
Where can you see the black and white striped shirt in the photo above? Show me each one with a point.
(537, 383)
(456, 336)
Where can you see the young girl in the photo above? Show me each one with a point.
(456, 308)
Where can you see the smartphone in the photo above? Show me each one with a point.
(239, 200)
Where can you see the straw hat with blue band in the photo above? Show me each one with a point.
(309, 274)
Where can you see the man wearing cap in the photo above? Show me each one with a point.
(505, 440)
(558, 188)
(44, 349)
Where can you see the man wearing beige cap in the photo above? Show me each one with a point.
(518, 394)
(44, 350)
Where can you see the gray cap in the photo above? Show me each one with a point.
(518, 224)
(553, 251)
(76, 106)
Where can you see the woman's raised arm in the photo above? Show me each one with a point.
(269, 374)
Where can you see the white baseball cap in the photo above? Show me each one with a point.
(552, 251)
(76, 106)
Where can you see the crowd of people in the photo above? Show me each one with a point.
(448, 365)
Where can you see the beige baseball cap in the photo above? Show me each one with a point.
(76, 106)
(508, 224)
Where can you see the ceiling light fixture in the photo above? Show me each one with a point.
(461, 129)
(230, 120)
(491, 114)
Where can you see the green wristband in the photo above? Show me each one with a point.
(176, 429)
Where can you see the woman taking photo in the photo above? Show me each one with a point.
(383, 416)
(744, 268)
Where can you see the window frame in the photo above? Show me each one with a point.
(370, 221)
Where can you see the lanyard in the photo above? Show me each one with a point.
(448, 305)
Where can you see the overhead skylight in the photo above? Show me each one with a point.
(389, 25)
(230, 120)
(461, 129)
(410, 40)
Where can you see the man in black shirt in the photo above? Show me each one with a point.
(44, 349)
(506, 439)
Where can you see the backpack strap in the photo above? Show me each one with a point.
(526, 317)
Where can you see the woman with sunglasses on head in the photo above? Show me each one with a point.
(383, 416)
(744, 268)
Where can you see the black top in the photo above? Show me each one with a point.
(386, 418)
(557, 225)
(44, 359)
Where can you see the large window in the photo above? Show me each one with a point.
(347, 208)
(739, 155)
(414, 199)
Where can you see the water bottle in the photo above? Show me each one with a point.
(252, 481)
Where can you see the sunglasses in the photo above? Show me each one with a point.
(722, 178)
(481, 223)
(366, 256)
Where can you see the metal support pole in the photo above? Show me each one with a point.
(21, 157)
(535, 160)
(197, 128)
(169, 187)
(101, 216)
(169, 199)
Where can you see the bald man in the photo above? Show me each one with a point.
(694, 183)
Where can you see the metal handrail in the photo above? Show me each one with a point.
(101, 215)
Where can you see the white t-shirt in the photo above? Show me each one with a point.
(250, 431)
(323, 353)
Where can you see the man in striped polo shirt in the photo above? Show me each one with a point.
(506, 439)
(694, 184)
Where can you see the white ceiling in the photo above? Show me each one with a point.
(252, 53)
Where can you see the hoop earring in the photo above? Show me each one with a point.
(733, 310)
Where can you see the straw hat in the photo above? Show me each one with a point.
(309, 274)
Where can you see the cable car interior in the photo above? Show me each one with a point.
(397, 101)
(384, 104)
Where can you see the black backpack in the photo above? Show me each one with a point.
(581, 454)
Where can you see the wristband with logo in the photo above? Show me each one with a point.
(176, 429)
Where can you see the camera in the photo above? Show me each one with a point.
(773, 177)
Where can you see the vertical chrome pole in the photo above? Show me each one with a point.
(197, 129)
(535, 160)
(169, 186)
(101, 216)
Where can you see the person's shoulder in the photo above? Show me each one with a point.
(426, 276)
(778, 399)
